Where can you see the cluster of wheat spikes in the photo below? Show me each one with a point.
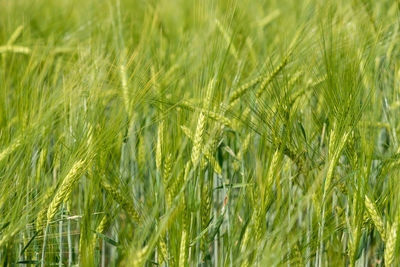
(199, 133)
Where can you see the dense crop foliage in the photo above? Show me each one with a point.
(199, 133)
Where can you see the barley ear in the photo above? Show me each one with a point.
(103, 224)
(243, 89)
(274, 166)
(270, 77)
(390, 245)
(163, 251)
(334, 157)
(160, 137)
(182, 250)
(120, 199)
(258, 223)
(64, 191)
(138, 257)
(15, 35)
(124, 85)
(376, 218)
(41, 217)
(167, 169)
(101, 227)
(244, 245)
(198, 139)
(201, 123)
(206, 150)
(9, 150)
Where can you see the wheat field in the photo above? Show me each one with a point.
(199, 133)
